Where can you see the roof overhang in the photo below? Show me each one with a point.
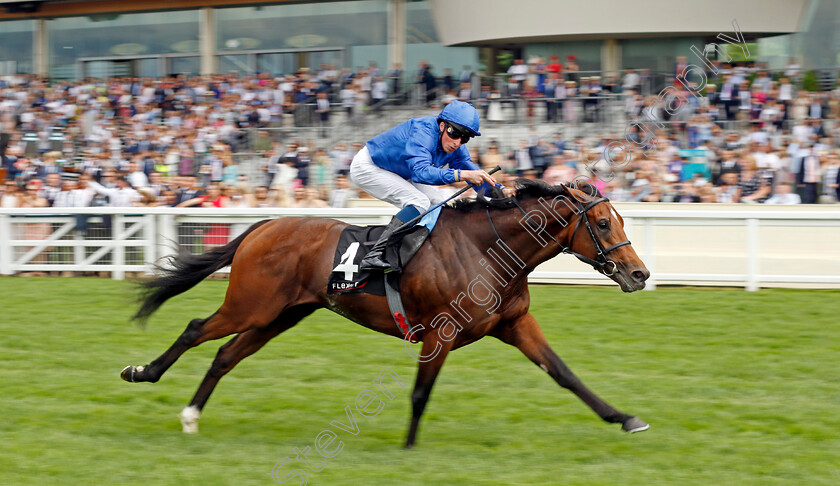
(502, 22)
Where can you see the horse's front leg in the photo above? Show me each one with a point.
(527, 336)
(431, 358)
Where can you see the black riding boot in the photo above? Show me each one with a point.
(375, 259)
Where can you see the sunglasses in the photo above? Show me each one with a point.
(456, 134)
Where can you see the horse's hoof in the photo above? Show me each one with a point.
(189, 419)
(634, 424)
(129, 372)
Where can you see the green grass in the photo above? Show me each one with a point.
(739, 388)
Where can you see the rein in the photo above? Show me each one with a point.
(601, 262)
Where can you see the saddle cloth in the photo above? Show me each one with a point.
(355, 242)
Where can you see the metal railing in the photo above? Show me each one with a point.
(680, 244)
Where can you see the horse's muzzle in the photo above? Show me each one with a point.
(631, 280)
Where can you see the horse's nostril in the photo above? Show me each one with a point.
(640, 275)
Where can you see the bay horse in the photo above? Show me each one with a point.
(279, 271)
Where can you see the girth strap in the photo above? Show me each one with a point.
(395, 304)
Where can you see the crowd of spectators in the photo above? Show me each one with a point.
(752, 137)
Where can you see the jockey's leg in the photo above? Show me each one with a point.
(375, 258)
(435, 194)
(390, 187)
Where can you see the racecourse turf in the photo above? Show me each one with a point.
(739, 388)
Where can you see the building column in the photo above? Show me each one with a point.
(396, 34)
(41, 49)
(610, 56)
(207, 40)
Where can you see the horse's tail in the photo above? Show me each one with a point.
(183, 272)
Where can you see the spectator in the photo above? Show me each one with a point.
(808, 176)
(572, 68)
(522, 156)
(429, 83)
(35, 231)
(11, 195)
(784, 195)
(630, 82)
(307, 198)
(52, 187)
(123, 195)
(395, 78)
(342, 192)
(559, 172)
(263, 143)
(188, 190)
(728, 191)
(261, 198)
(322, 108)
(341, 158)
(831, 178)
(518, 72)
(179, 127)
(755, 186)
(492, 158)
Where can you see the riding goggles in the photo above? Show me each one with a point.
(456, 133)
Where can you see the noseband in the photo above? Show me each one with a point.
(601, 262)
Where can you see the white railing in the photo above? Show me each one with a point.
(730, 245)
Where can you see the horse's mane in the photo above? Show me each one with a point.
(525, 189)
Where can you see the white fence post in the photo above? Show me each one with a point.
(5, 245)
(167, 234)
(650, 258)
(752, 281)
(78, 251)
(150, 238)
(118, 252)
(167, 238)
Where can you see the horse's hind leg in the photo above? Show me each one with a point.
(231, 353)
(223, 323)
(526, 335)
(154, 370)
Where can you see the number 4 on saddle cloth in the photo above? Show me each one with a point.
(356, 241)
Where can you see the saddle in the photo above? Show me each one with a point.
(355, 242)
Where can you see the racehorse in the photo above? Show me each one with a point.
(468, 281)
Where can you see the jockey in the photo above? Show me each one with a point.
(401, 165)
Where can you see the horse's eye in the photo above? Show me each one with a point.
(603, 224)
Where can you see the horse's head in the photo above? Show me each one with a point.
(596, 236)
(586, 226)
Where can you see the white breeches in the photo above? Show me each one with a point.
(388, 186)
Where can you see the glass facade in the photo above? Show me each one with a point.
(16, 41)
(343, 33)
(422, 44)
(280, 39)
(775, 51)
(118, 36)
(658, 55)
(187, 65)
(818, 43)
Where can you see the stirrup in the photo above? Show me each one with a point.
(374, 262)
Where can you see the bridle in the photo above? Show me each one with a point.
(601, 262)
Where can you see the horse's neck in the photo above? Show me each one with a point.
(505, 235)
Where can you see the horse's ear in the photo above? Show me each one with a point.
(579, 195)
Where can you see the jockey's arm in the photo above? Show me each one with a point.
(468, 171)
